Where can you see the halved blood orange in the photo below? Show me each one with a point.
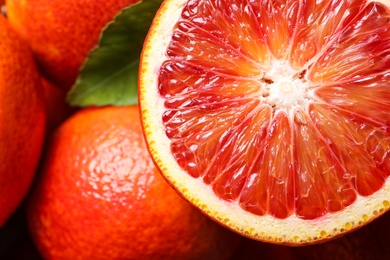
(272, 117)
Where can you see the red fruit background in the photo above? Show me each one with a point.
(62, 32)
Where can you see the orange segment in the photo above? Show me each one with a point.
(220, 56)
(269, 187)
(232, 22)
(322, 185)
(360, 51)
(184, 85)
(318, 24)
(235, 154)
(277, 20)
(195, 144)
(359, 144)
(374, 104)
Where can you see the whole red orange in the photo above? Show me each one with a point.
(61, 33)
(22, 119)
(99, 196)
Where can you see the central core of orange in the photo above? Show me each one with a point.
(285, 88)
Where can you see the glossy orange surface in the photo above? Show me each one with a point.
(99, 195)
(61, 33)
(22, 119)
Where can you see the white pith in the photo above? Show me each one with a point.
(285, 90)
(292, 230)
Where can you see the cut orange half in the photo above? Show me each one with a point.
(272, 117)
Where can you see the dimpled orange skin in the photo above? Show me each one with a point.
(99, 196)
(62, 33)
(22, 119)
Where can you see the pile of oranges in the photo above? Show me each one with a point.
(79, 183)
(82, 178)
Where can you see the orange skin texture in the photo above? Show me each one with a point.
(22, 119)
(62, 33)
(99, 196)
(57, 109)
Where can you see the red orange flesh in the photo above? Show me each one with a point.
(272, 115)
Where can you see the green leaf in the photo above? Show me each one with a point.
(109, 75)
